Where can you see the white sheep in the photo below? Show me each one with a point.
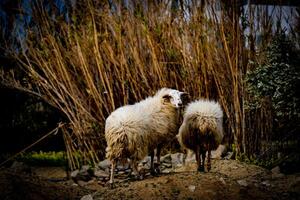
(201, 130)
(132, 131)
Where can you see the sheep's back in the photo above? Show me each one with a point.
(136, 129)
(204, 108)
(201, 117)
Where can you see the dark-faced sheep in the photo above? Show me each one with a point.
(133, 131)
(201, 130)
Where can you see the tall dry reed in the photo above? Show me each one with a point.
(104, 59)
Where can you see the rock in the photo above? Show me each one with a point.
(86, 171)
(166, 171)
(148, 174)
(68, 182)
(211, 192)
(166, 181)
(74, 173)
(177, 158)
(276, 170)
(126, 184)
(179, 165)
(107, 170)
(167, 165)
(87, 197)
(242, 183)
(223, 181)
(85, 168)
(228, 156)
(166, 159)
(105, 164)
(192, 188)
(217, 154)
(146, 160)
(280, 175)
(100, 173)
(82, 183)
(234, 167)
(190, 157)
(91, 181)
(84, 174)
(18, 167)
(123, 167)
(121, 173)
(266, 183)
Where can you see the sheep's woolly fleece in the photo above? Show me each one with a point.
(205, 108)
(132, 131)
(209, 115)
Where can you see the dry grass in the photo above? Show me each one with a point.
(106, 60)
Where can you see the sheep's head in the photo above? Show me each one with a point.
(177, 98)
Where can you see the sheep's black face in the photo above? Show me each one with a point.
(184, 98)
(176, 98)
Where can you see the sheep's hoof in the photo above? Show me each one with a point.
(208, 168)
(136, 177)
(157, 168)
(155, 172)
(140, 177)
(111, 185)
(152, 172)
(201, 169)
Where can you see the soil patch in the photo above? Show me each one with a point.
(228, 179)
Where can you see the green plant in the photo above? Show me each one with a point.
(255, 161)
(44, 158)
(277, 79)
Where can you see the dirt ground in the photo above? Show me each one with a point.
(228, 179)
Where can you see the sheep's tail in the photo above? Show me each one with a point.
(210, 127)
(117, 144)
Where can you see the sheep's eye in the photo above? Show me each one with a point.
(167, 97)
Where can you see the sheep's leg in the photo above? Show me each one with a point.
(130, 167)
(136, 173)
(112, 171)
(203, 153)
(185, 153)
(198, 159)
(208, 157)
(152, 171)
(158, 150)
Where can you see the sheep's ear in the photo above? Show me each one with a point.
(184, 94)
(184, 97)
(166, 98)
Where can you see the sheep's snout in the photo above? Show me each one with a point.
(177, 98)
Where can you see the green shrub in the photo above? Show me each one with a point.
(277, 78)
(44, 158)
